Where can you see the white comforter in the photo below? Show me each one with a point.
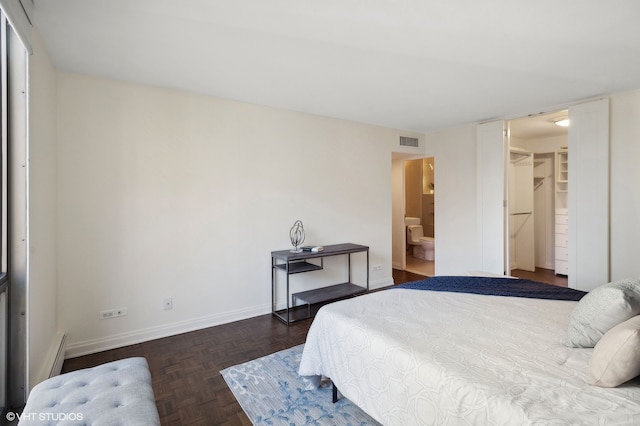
(416, 357)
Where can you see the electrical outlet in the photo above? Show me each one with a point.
(168, 303)
(376, 268)
(112, 313)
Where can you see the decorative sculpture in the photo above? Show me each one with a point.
(296, 233)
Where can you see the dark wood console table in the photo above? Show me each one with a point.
(294, 263)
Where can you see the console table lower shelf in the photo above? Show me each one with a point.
(326, 294)
(302, 301)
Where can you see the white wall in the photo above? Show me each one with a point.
(624, 190)
(164, 193)
(548, 144)
(42, 307)
(455, 200)
(172, 194)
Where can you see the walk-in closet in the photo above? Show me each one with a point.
(537, 193)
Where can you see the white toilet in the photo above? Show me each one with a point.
(423, 247)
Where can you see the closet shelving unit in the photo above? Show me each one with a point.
(537, 181)
(562, 212)
(538, 172)
(562, 170)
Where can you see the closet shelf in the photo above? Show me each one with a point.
(537, 182)
(517, 156)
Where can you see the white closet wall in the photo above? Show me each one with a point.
(532, 243)
(543, 207)
(521, 213)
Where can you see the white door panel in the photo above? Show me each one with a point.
(490, 192)
(588, 195)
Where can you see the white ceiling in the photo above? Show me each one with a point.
(414, 64)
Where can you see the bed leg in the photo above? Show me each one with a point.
(334, 391)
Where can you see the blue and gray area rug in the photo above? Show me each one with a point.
(271, 393)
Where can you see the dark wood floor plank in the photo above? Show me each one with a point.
(185, 369)
(546, 276)
(400, 277)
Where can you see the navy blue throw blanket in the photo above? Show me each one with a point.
(494, 286)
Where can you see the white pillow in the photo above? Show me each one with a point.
(602, 309)
(616, 357)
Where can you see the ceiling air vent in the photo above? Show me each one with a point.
(407, 141)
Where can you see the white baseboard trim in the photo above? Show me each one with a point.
(91, 346)
(58, 355)
(130, 338)
(55, 358)
(383, 282)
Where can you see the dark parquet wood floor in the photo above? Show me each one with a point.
(185, 369)
(547, 276)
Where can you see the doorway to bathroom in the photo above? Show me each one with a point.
(419, 207)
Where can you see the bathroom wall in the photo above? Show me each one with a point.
(428, 175)
(413, 188)
(419, 192)
(428, 196)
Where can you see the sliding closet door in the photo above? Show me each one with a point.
(588, 195)
(491, 198)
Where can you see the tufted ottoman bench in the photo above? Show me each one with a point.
(116, 393)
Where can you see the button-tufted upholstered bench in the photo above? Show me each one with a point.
(116, 393)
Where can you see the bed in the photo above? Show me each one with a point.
(450, 355)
